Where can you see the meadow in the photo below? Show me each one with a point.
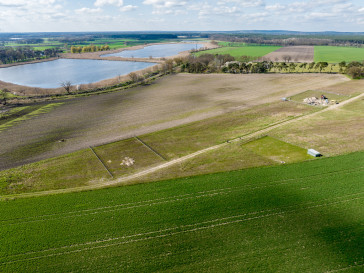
(335, 54)
(237, 52)
(260, 219)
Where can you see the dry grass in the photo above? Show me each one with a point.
(332, 133)
(169, 102)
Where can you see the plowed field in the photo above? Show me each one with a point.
(295, 53)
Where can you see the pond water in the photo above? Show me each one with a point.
(52, 74)
(156, 51)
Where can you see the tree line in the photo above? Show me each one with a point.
(89, 48)
(23, 54)
(284, 40)
(209, 63)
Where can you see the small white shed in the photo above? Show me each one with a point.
(313, 153)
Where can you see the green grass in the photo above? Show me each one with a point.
(186, 139)
(335, 54)
(277, 150)
(259, 152)
(236, 52)
(42, 110)
(71, 170)
(304, 217)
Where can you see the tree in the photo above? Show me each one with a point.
(311, 65)
(323, 65)
(355, 72)
(169, 65)
(4, 95)
(133, 77)
(342, 65)
(287, 58)
(67, 86)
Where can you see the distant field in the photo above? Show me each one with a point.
(334, 54)
(304, 217)
(236, 52)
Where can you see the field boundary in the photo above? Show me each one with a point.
(93, 151)
(150, 148)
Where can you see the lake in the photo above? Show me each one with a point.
(156, 51)
(51, 74)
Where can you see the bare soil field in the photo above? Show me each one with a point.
(170, 101)
(299, 54)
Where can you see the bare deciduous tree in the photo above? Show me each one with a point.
(67, 86)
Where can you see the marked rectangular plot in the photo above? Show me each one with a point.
(68, 171)
(126, 156)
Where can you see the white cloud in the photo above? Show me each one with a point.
(361, 10)
(101, 3)
(243, 3)
(87, 10)
(165, 3)
(275, 7)
(128, 8)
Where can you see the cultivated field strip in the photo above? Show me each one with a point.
(178, 230)
(310, 212)
(175, 198)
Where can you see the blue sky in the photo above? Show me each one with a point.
(179, 15)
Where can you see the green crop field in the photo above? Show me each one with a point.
(335, 54)
(236, 52)
(302, 217)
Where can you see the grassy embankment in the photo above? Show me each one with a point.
(304, 217)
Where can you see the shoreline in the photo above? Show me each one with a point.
(24, 90)
(30, 62)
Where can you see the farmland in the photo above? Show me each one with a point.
(188, 173)
(295, 53)
(237, 52)
(334, 54)
(169, 102)
(251, 220)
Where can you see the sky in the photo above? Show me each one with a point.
(180, 15)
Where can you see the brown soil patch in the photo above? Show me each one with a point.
(299, 54)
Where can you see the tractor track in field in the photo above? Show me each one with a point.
(121, 180)
(169, 199)
(195, 227)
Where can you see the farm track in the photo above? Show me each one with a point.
(176, 198)
(184, 158)
(189, 228)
